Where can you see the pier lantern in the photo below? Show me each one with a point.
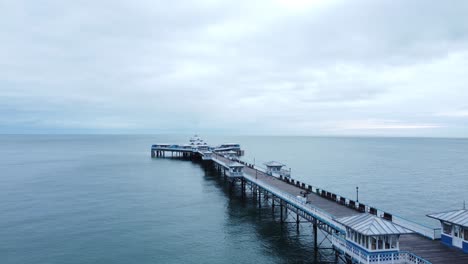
(370, 238)
(454, 228)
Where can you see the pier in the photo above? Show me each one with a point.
(358, 233)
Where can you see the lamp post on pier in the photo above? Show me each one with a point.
(357, 194)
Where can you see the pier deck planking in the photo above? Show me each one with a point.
(431, 250)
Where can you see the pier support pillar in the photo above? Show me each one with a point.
(281, 212)
(231, 186)
(153, 154)
(297, 222)
(315, 235)
(273, 204)
(243, 188)
(259, 199)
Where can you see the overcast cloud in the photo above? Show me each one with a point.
(301, 67)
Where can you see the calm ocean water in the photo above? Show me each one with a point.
(102, 199)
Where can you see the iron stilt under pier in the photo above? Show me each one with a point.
(297, 222)
(273, 204)
(315, 231)
(259, 199)
(281, 212)
(231, 186)
(243, 188)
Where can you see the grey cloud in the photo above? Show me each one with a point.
(371, 31)
(178, 65)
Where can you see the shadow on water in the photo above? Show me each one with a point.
(279, 240)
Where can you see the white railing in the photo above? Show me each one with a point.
(362, 256)
(229, 173)
(235, 174)
(219, 162)
(299, 203)
(430, 232)
(205, 157)
(433, 233)
(408, 257)
(173, 149)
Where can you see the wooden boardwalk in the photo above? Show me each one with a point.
(323, 208)
(431, 250)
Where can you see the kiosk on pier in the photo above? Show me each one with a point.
(235, 170)
(274, 168)
(454, 228)
(370, 239)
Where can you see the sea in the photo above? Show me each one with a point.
(103, 199)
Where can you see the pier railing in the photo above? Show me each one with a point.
(315, 212)
(173, 149)
(362, 256)
(235, 174)
(432, 233)
(220, 162)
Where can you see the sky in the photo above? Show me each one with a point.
(266, 67)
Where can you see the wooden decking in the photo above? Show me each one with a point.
(332, 208)
(432, 250)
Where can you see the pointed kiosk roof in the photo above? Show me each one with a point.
(371, 225)
(457, 217)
